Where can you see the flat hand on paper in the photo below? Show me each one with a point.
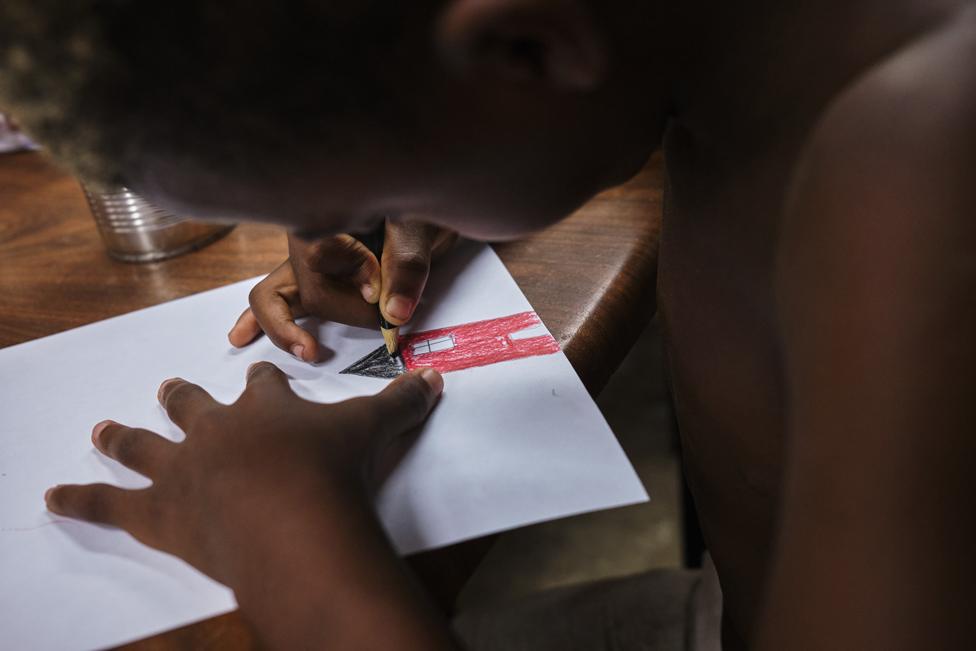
(269, 471)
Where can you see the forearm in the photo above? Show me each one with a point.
(333, 581)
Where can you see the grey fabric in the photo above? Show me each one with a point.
(659, 610)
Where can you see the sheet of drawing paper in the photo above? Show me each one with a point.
(511, 443)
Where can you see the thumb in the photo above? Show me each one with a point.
(407, 255)
(400, 408)
(405, 403)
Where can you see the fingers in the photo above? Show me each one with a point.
(138, 449)
(99, 503)
(341, 256)
(262, 375)
(184, 402)
(405, 403)
(275, 305)
(407, 255)
(245, 330)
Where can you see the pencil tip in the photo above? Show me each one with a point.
(390, 338)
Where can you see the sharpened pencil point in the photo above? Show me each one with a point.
(391, 337)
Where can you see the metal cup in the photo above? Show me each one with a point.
(136, 231)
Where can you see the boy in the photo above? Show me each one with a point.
(816, 272)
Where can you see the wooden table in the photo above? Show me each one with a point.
(591, 278)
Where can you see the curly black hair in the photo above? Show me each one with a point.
(101, 82)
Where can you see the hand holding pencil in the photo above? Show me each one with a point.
(341, 279)
(374, 242)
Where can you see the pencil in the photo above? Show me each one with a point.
(391, 336)
(391, 333)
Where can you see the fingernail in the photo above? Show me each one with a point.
(399, 308)
(47, 493)
(162, 388)
(369, 293)
(97, 430)
(250, 369)
(298, 351)
(433, 379)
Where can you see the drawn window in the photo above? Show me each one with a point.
(433, 345)
(537, 330)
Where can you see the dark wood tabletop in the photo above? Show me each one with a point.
(591, 278)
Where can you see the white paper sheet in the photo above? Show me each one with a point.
(510, 444)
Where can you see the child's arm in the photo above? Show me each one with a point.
(339, 279)
(878, 305)
(270, 496)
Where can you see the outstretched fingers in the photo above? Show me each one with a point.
(137, 449)
(263, 375)
(98, 503)
(184, 402)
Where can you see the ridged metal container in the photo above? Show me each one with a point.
(134, 230)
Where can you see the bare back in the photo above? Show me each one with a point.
(730, 177)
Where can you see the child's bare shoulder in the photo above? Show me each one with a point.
(914, 109)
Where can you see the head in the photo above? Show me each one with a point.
(492, 117)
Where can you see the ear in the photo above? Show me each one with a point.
(552, 42)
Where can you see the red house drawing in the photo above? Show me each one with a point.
(478, 344)
(462, 346)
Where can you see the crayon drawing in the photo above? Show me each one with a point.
(462, 346)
